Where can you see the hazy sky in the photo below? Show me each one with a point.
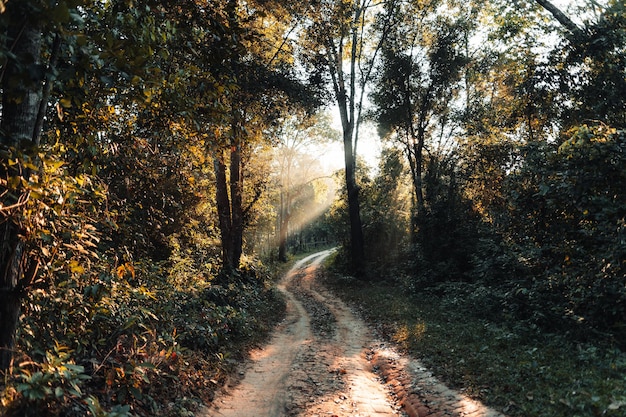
(369, 144)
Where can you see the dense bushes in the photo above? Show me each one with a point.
(540, 240)
(130, 342)
(551, 250)
(567, 209)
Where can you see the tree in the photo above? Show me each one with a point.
(261, 85)
(32, 78)
(386, 211)
(418, 81)
(22, 77)
(341, 44)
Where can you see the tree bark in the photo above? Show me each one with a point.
(345, 96)
(236, 192)
(283, 226)
(20, 104)
(354, 210)
(223, 210)
(228, 196)
(21, 97)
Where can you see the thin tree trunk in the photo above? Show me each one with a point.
(47, 88)
(236, 191)
(282, 230)
(223, 210)
(285, 215)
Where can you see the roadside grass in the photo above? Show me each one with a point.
(514, 368)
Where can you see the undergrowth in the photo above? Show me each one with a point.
(517, 368)
(135, 340)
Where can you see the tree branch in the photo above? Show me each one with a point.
(562, 18)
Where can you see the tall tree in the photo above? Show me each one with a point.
(261, 84)
(22, 79)
(342, 44)
(420, 71)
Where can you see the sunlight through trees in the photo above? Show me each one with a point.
(158, 159)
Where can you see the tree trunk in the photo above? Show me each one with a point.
(10, 298)
(21, 94)
(223, 210)
(562, 18)
(236, 191)
(354, 210)
(20, 104)
(285, 213)
(228, 196)
(346, 104)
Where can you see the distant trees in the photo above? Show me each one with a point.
(420, 69)
(298, 169)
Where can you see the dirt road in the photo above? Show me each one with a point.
(323, 361)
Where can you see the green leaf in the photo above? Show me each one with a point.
(60, 13)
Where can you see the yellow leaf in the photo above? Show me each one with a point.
(76, 268)
(130, 269)
(120, 271)
(53, 165)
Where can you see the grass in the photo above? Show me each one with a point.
(515, 368)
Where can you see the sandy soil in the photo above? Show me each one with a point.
(323, 361)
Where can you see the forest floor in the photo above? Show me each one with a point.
(322, 360)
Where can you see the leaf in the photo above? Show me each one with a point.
(148, 365)
(60, 13)
(52, 166)
(75, 267)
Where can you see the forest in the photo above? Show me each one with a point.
(161, 162)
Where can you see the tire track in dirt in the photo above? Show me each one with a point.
(323, 361)
(314, 364)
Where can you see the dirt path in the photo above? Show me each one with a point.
(323, 361)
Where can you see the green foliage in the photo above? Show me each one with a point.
(56, 378)
(385, 212)
(125, 311)
(138, 343)
(594, 68)
(568, 212)
(114, 208)
(447, 230)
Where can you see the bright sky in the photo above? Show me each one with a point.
(370, 146)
